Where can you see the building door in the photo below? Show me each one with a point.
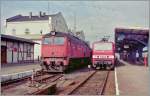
(3, 55)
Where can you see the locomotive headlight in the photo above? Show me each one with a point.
(94, 56)
(111, 56)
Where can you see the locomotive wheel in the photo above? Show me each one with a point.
(43, 67)
(104, 66)
(101, 67)
(98, 68)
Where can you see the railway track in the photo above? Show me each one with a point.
(25, 85)
(94, 85)
(38, 77)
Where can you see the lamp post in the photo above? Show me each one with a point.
(149, 50)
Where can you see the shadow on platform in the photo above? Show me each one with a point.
(124, 63)
(119, 63)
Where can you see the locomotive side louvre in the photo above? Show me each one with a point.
(79, 49)
(103, 55)
(68, 53)
(80, 53)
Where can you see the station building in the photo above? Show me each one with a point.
(16, 50)
(34, 26)
(132, 43)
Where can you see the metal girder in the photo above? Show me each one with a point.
(145, 44)
(134, 38)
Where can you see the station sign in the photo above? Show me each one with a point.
(126, 46)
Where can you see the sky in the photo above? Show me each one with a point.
(96, 18)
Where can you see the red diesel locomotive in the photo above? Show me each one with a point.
(61, 51)
(103, 55)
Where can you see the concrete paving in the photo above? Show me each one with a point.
(17, 68)
(133, 79)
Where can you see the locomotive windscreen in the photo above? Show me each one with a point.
(47, 40)
(59, 40)
(53, 40)
(103, 46)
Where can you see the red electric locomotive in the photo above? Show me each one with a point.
(103, 55)
(61, 51)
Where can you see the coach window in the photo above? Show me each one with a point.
(59, 40)
(47, 40)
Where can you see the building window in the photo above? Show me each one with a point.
(14, 31)
(28, 50)
(27, 31)
(56, 22)
(41, 32)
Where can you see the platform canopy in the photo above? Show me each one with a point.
(131, 39)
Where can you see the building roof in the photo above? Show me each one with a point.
(31, 36)
(132, 31)
(9, 37)
(134, 38)
(29, 18)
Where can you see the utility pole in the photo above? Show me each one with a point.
(74, 22)
(48, 8)
(105, 38)
(91, 28)
(148, 54)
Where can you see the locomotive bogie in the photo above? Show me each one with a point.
(103, 64)
(54, 64)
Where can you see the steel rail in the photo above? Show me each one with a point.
(101, 91)
(104, 84)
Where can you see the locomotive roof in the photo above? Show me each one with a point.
(57, 34)
(66, 35)
(103, 42)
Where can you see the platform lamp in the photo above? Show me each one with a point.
(149, 49)
(149, 54)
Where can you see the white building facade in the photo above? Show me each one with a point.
(33, 27)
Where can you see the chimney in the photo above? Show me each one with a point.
(44, 13)
(40, 14)
(30, 15)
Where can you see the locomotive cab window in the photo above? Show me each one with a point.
(47, 40)
(59, 40)
(103, 46)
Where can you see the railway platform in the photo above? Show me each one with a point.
(16, 68)
(132, 79)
